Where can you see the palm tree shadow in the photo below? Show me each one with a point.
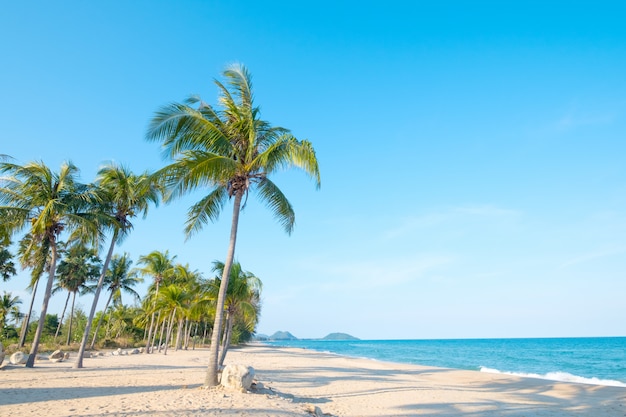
(13, 396)
(269, 391)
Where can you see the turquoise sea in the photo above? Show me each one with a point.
(597, 360)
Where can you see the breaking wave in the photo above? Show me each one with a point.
(559, 376)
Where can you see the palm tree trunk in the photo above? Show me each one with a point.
(229, 332)
(83, 343)
(169, 331)
(162, 331)
(44, 307)
(225, 332)
(184, 334)
(56, 334)
(149, 339)
(69, 330)
(179, 335)
(156, 330)
(150, 344)
(193, 340)
(95, 333)
(24, 330)
(188, 328)
(211, 376)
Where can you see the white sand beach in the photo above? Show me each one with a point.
(292, 382)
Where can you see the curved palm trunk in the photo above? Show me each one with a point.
(83, 343)
(211, 376)
(227, 336)
(149, 339)
(169, 331)
(67, 300)
(44, 307)
(26, 321)
(95, 333)
(179, 335)
(150, 344)
(156, 331)
(162, 333)
(69, 329)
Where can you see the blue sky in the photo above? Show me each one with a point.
(472, 153)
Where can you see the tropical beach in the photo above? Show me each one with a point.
(288, 382)
(440, 185)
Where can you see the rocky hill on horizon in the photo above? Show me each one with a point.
(284, 335)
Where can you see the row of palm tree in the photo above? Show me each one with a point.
(77, 269)
(180, 297)
(49, 204)
(226, 149)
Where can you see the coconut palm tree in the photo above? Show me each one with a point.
(8, 303)
(119, 278)
(230, 151)
(157, 265)
(124, 195)
(7, 267)
(189, 281)
(242, 300)
(33, 255)
(79, 266)
(47, 203)
(172, 300)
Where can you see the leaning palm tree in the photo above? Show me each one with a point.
(79, 266)
(124, 195)
(119, 278)
(231, 151)
(157, 265)
(33, 255)
(46, 203)
(242, 300)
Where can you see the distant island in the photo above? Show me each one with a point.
(339, 336)
(280, 335)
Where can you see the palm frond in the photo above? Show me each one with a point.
(288, 152)
(180, 127)
(271, 195)
(205, 210)
(196, 169)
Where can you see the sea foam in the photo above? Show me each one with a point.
(558, 376)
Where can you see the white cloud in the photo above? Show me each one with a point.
(466, 214)
(594, 255)
(572, 121)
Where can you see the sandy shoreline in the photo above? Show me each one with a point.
(293, 379)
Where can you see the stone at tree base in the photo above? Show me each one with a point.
(315, 410)
(66, 355)
(134, 352)
(237, 377)
(18, 358)
(57, 356)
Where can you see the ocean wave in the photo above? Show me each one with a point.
(559, 376)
